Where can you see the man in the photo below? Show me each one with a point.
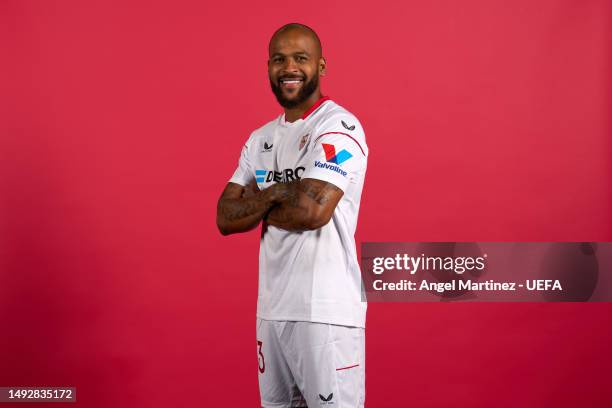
(302, 175)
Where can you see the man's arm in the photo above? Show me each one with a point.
(240, 208)
(308, 204)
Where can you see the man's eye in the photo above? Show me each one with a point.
(278, 60)
(300, 59)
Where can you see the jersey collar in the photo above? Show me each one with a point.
(315, 106)
(306, 114)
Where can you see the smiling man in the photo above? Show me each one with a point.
(301, 175)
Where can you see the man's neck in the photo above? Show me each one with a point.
(293, 114)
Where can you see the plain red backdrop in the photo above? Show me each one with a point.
(123, 120)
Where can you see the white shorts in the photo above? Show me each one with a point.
(305, 364)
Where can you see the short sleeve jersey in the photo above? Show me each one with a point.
(311, 275)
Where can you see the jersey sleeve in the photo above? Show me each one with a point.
(244, 174)
(338, 154)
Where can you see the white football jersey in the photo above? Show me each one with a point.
(312, 275)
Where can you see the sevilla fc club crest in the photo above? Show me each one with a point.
(304, 140)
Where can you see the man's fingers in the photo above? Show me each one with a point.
(250, 190)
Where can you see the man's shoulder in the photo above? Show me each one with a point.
(264, 131)
(333, 110)
(337, 119)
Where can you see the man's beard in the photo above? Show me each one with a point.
(304, 93)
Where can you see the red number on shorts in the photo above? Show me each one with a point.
(260, 358)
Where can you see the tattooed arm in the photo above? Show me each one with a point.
(308, 204)
(240, 208)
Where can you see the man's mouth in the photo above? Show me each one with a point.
(290, 83)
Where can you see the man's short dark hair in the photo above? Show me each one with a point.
(302, 27)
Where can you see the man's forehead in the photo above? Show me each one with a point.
(292, 41)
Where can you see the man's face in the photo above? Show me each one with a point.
(294, 67)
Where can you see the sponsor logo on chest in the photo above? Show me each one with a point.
(282, 176)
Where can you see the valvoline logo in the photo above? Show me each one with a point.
(332, 157)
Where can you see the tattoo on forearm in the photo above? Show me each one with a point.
(288, 212)
(237, 209)
(250, 204)
(293, 194)
(320, 192)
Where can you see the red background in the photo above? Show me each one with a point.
(123, 120)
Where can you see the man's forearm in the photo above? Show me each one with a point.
(289, 215)
(242, 213)
(304, 206)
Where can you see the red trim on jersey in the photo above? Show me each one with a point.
(340, 133)
(315, 106)
(346, 368)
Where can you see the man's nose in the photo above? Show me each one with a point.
(290, 65)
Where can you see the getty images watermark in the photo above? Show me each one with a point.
(487, 271)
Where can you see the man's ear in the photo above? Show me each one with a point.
(322, 66)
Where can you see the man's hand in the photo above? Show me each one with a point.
(240, 208)
(250, 190)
